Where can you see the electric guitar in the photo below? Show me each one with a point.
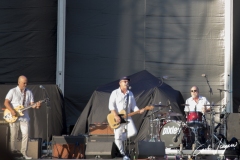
(19, 109)
(112, 122)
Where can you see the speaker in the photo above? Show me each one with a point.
(145, 149)
(34, 147)
(103, 150)
(101, 138)
(69, 147)
(4, 132)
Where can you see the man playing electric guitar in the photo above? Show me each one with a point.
(20, 95)
(119, 100)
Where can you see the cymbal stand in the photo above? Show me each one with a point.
(195, 131)
(152, 134)
(213, 132)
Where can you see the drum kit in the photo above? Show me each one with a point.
(194, 133)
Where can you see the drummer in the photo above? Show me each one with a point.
(196, 103)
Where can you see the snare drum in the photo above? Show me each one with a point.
(194, 119)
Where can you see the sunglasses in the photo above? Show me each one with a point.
(193, 90)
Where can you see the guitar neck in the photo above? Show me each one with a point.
(137, 112)
(131, 114)
(25, 108)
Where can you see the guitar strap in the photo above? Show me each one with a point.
(126, 102)
(24, 98)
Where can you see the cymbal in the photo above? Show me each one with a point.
(213, 105)
(171, 114)
(160, 105)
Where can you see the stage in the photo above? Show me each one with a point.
(184, 154)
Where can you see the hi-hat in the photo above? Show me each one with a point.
(160, 105)
(213, 105)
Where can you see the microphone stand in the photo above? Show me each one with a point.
(222, 115)
(220, 94)
(126, 141)
(210, 95)
(210, 89)
(47, 112)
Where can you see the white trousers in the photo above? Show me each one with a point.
(120, 134)
(14, 127)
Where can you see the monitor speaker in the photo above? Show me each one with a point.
(68, 147)
(101, 150)
(145, 149)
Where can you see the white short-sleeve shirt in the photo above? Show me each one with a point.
(118, 100)
(15, 96)
(192, 105)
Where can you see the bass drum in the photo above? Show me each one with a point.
(169, 132)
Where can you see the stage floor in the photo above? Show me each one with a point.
(184, 154)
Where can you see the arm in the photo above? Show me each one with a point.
(111, 106)
(37, 104)
(206, 108)
(8, 105)
(116, 117)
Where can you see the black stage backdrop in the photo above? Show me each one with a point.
(108, 39)
(38, 117)
(28, 40)
(236, 57)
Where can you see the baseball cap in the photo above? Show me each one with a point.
(124, 78)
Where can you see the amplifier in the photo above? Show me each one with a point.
(100, 129)
(103, 150)
(4, 132)
(34, 147)
(101, 138)
(2, 121)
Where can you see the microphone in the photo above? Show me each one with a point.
(128, 87)
(178, 133)
(41, 87)
(204, 75)
(224, 90)
(176, 139)
(215, 129)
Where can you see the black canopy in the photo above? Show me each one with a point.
(147, 89)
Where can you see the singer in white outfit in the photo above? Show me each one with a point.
(117, 102)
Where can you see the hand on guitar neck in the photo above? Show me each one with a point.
(12, 114)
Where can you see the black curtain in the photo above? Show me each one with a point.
(28, 36)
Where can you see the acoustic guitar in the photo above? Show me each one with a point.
(112, 122)
(19, 109)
